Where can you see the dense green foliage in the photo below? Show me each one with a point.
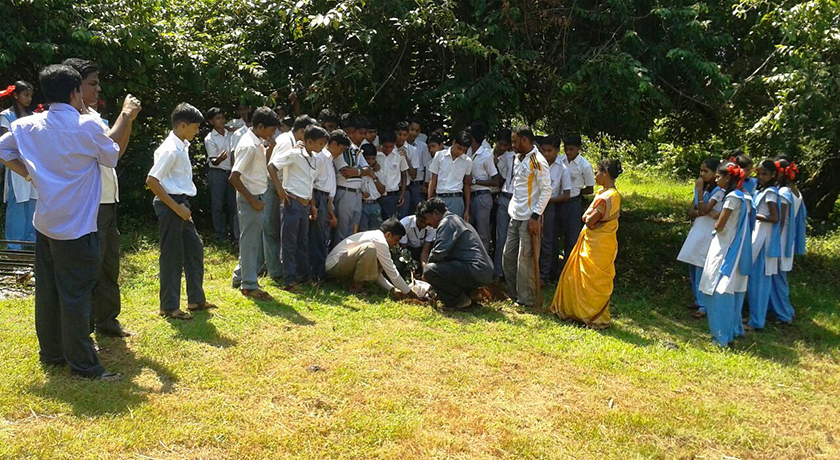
(676, 80)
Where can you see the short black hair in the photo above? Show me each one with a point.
(414, 120)
(464, 139)
(368, 150)
(551, 140)
(186, 113)
(339, 137)
(392, 226)
(266, 117)
(83, 66)
(401, 126)
(573, 139)
(344, 121)
(327, 116)
(372, 124)
(212, 112)
(314, 133)
(503, 135)
(478, 130)
(435, 139)
(428, 207)
(288, 121)
(303, 122)
(58, 82)
(387, 137)
(524, 131)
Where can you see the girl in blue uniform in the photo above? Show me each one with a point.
(766, 243)
(19, 193)
(792, 229)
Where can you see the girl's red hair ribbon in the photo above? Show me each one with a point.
(791, 171)
(9, 90)
(39, 109)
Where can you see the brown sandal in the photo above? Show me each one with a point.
(258, 294)
(205, 306)
(175, 314)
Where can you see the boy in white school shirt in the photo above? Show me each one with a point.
(560, 191)
(181, 249)
(505, 157)
(372, 190)
(392, 173)
(222, 194)
(323, 195)
(415, 172)
(582, 183)
(418, 187)
(484, 176)
(452, 176)
(250, 179)
(295, 192)
(350, 167)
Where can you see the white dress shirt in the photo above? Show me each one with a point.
(560, 178)
(414, 159)
(369, 187)
(215, 144)
(237, 135)
(351, 158)
(531, 186)
(390, 171)
(249, 162)
(505, 167)
(110, 182)
(383, 255)
(450, 171)
(415, 237)
(298, 167)
(324, 173)
(483, 166)
(425, 160)
(580, 173)
(62, 149)
(172, 166)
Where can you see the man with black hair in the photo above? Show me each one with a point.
(350, 167)
(458, 262)
(222, 194)
(372, 133)
(63, 148)
(323, 196)
(531, 192)
(452, 176)
(107, 303)
(328, 120)
(560, 192)
(248, 176)
(181, 249)
(582, 180)
(298, 167)
(393, 166)
(363, 257)
(484, 176)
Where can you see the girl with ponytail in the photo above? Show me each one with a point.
(18, 193)
(723, 284)
(766, 243)
(792, 223)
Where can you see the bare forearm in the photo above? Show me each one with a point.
(160, 192)
(121, 132)
(17, 167)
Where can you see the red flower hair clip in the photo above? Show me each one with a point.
(791, 171)
(9, 90)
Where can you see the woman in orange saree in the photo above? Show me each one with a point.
(586, 283)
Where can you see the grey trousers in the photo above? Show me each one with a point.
(518, 263)
(223, 205)
(550, 245)
(570, 215)
(502, 223)
(250, 237)
(480, 208)
(453, 280)
(271, 222)
(66, 272)
(455, 205)
(348, 210)
(295, 236)
(181, 251)
(319, 233)
(106, 294)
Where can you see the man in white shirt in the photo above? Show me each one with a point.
(531, 192)
(298, 166)
(418, 238)
(392, 173)
(363, 257)
(484, 176)
(322, 195)
(350, 167)
(560, 190)
(107, 302)
(582, 183)
(505, 157)
(222, 194)
(250, 180)
(452, 176)
(417, 189)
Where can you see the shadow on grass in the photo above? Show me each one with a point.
(92, 398)
(200, 329)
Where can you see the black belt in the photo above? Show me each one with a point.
(415, 182)
(480, 192)
(450, 195)
(394, 193)
(319, 192)
(347, 189)
(574, 198)
(507, 195)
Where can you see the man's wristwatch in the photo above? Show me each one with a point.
(473, 180)
(535, 216)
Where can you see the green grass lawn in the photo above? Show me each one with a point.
(331, 375)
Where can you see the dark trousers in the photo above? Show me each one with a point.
(571, 225)
(318, 237)
(106, 294)
(414, 196)
(388, 203)
(181, 251)
(550, 244)
(66, 272)
(294, 236)
(223, 205)
(452, 280)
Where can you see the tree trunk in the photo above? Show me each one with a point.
(821, 190)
